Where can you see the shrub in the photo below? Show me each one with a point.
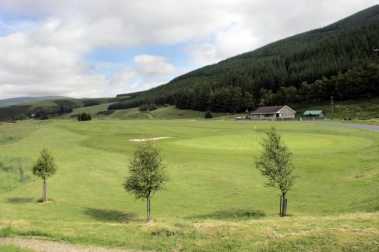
(84, 117)
(208, 115)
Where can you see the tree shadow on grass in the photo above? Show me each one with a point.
(231, 214)
(20, 200)
(110, 215)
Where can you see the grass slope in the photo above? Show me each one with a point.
(354, 109)
(215, 200)
(168, 112)
(26, 100)
(93, 110)
(364, 109)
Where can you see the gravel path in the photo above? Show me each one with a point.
(364, 126)
(50, 246)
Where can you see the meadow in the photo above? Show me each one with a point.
(215, 200)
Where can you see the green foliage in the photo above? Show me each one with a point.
(208, 115)
(45, 165)
(84, 117)
(275, 163)
(44, 168)
(147, 174)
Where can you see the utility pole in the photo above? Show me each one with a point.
(332, 105)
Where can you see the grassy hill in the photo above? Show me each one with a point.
(49, 108)
(337, 60)
(215, 200)
(166, 112)
(26, 100)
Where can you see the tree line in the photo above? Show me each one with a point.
(358, 82)
(338, 60)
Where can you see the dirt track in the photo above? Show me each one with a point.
(50, 246)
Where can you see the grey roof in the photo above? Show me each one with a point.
(267, 110)
(313, 112)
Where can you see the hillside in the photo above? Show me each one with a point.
(337, 60)
(26, 100)
(47, 108)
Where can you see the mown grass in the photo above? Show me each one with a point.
(215, 200)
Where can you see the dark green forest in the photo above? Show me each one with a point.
(339, 60)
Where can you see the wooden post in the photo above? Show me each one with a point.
(285, 207)
(44, 190)
(148, 208)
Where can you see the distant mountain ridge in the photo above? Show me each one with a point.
(23, 100)
(337, 60)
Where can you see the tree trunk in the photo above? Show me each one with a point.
(283, 205)
(148, 208)
(44, 190)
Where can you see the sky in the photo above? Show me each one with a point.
(98, 48)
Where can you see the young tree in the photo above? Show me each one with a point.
(147, 174)
(275, 163)
(44, 168)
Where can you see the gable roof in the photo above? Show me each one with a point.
(268, 110)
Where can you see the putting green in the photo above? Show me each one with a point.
(299, 143)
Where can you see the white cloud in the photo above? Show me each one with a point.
(225, 43)
(29, 66)
(45, 52)
(148, 71)
(151, 65)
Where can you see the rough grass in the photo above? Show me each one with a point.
(93, 110)
(363, 109)
(350, 232)
(167, 112)
(11, 248)
(374, 121)
(215, 200)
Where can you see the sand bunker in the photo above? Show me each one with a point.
(148, 139)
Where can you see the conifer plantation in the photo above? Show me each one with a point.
(339, 60)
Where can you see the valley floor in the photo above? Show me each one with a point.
(215, 200)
